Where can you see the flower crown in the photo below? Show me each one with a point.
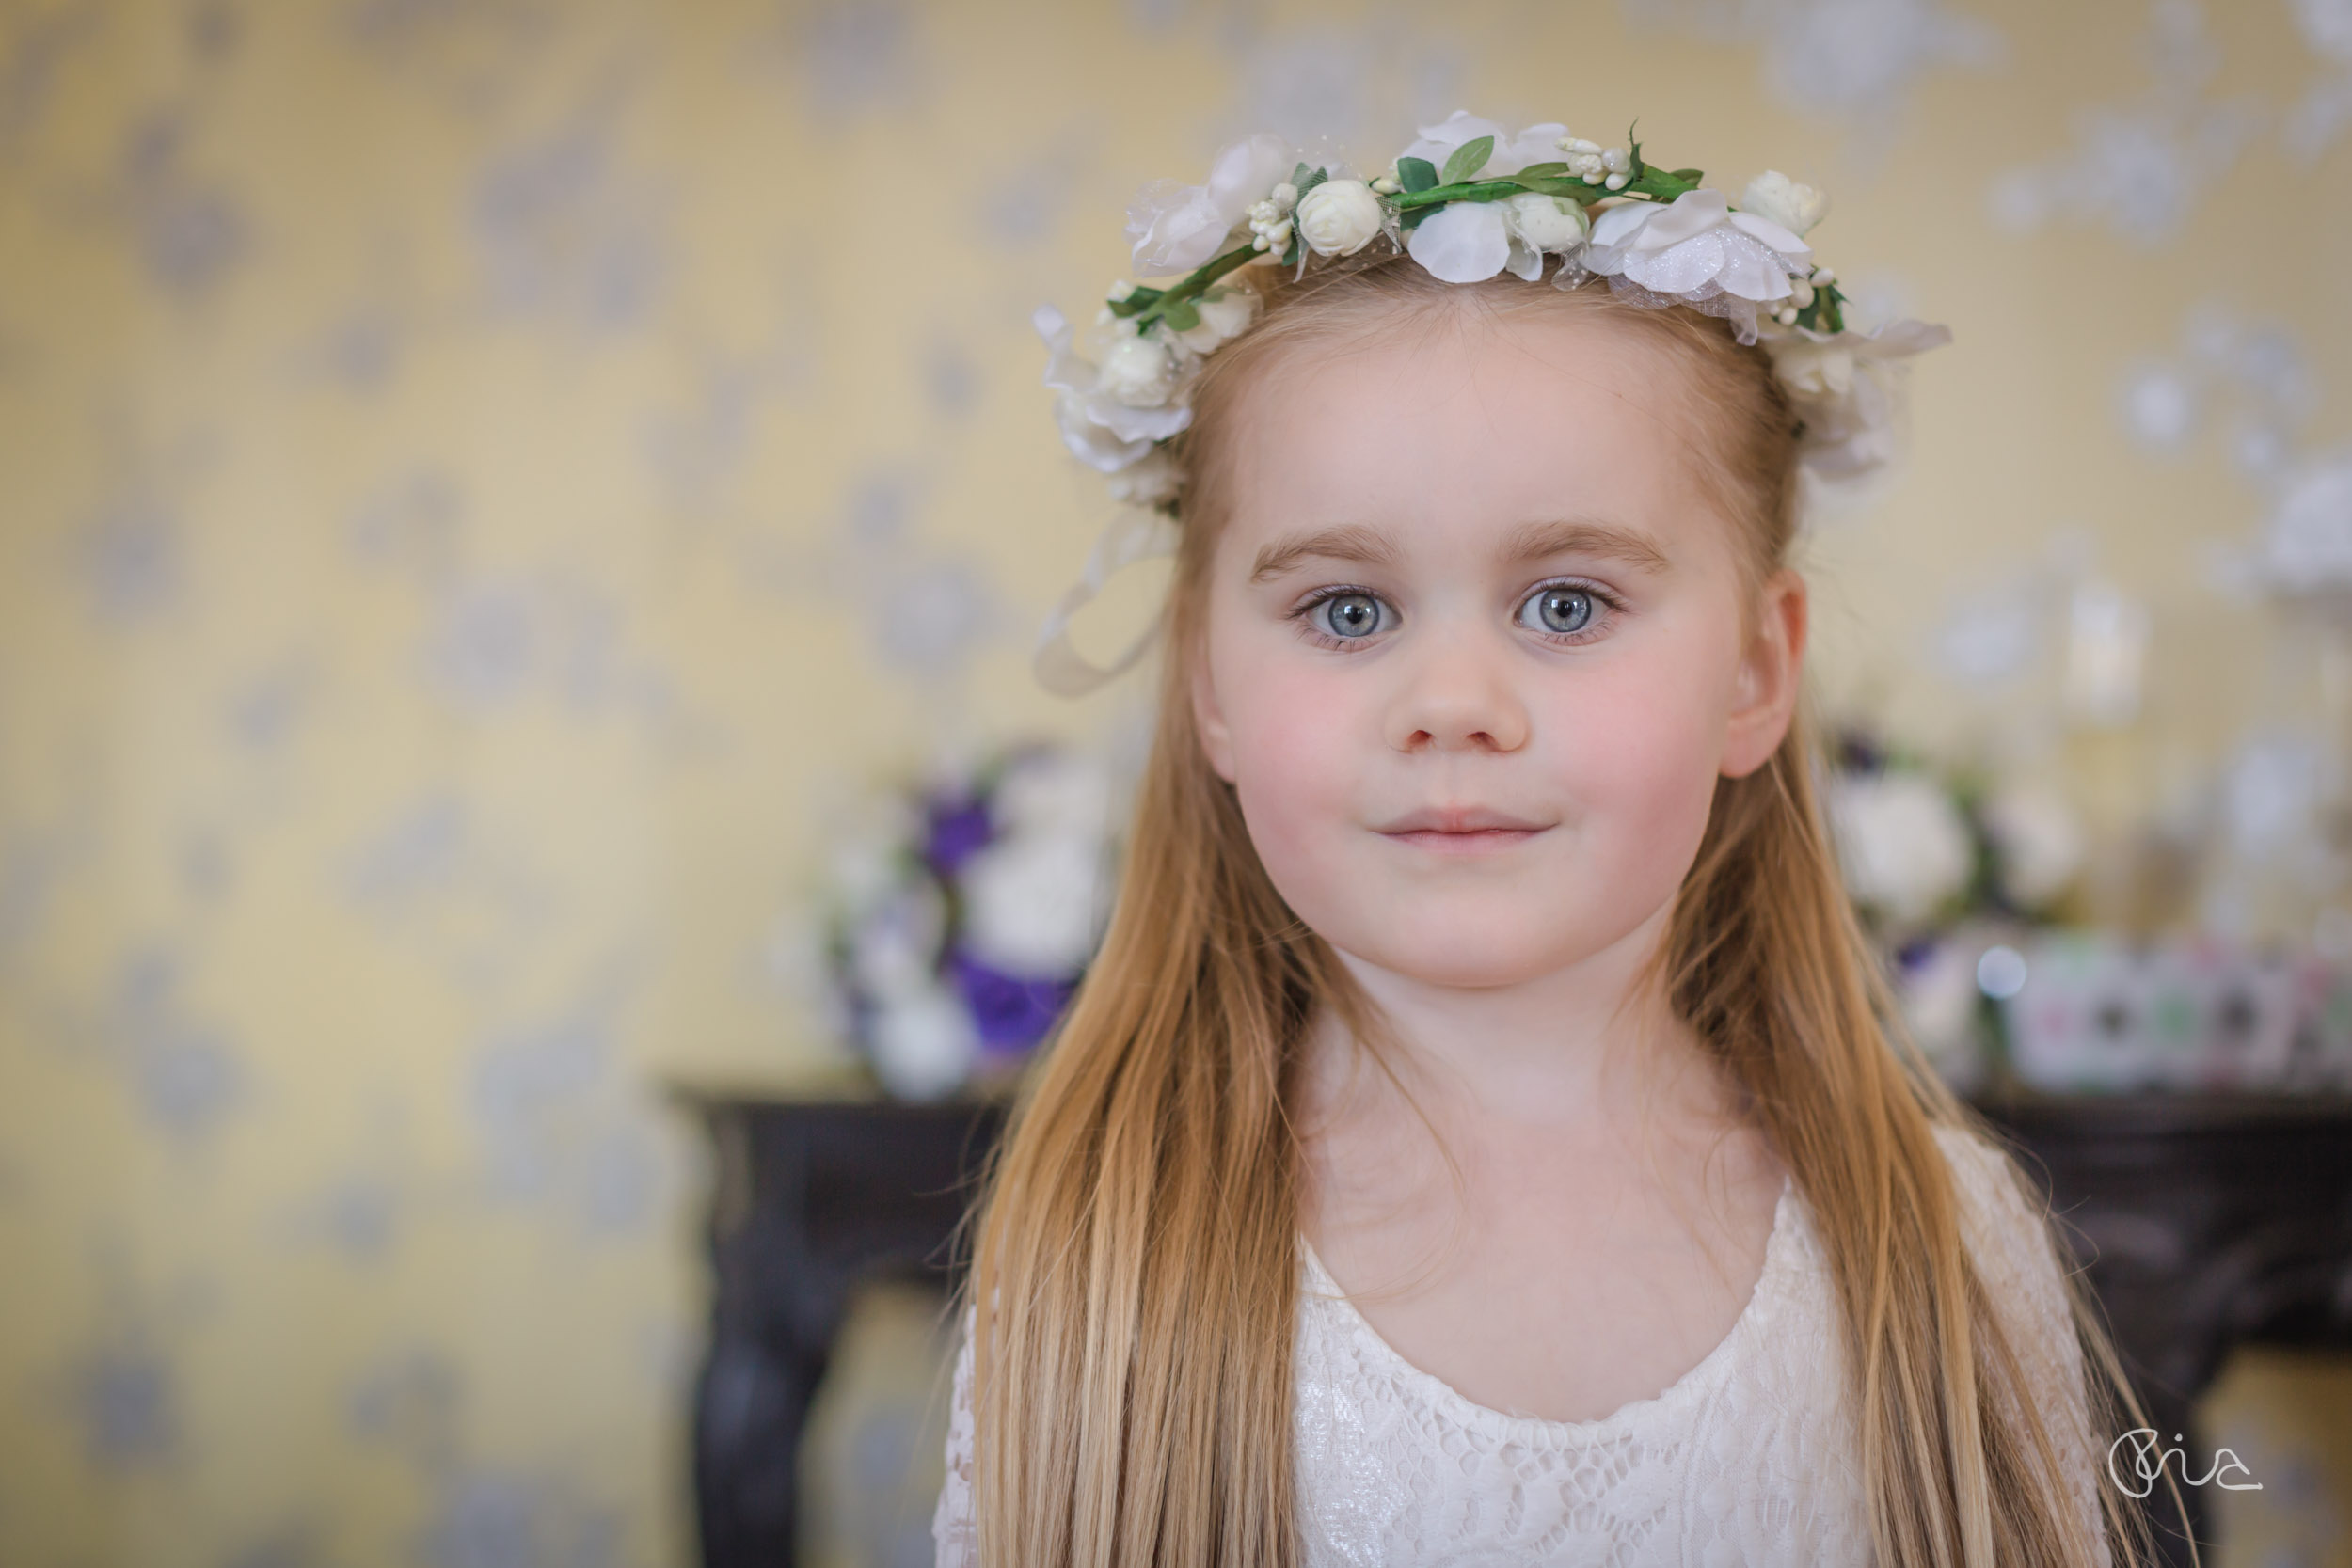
(1467, 200)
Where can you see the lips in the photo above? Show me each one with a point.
(1464, 823)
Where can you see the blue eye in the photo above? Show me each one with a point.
(1560, 610)
(1348, 614)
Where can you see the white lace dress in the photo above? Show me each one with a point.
(1748, 1459)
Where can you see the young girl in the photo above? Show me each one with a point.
(1481, 1138)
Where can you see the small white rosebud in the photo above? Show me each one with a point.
(1785, 316)
(1592, 179)
(1546, 223)
(1138, 371)
(1122, 288)
(1801, 292)
(1823, 276)
(1615, 182)
(1616, 160)
(1385, 186)
(1776, 198)
(1259, 243)
(1285, 195)
(1278, 237)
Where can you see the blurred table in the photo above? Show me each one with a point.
(2206, 1222)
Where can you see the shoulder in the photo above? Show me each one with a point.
(2000, 1208)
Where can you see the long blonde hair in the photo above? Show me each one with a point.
(1135, 1262)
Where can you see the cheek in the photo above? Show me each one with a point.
(1298, 739)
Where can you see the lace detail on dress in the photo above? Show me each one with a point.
(952, 1530)
(1749, 1459)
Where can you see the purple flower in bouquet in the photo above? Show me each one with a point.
(957, 826)
(1011, 1012)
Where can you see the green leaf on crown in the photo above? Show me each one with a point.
(1182, 315)
(1135, 303)
(1416, 174)
(1691, 175)
(1290, 257)
(1313, 178)
(1537, 171)
(1467, 159)
(1827, 313)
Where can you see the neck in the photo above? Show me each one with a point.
(1594, 1041)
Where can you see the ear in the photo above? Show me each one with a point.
(1208, 718)
(1764, 698)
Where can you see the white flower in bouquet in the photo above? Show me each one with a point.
(924, 1043)
(2037, 843)
(1339, 217)
(1051, 793)
(895, 946)
(1902, 842)
(1033, 903)
(1940, 1002)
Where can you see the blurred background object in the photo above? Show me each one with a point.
(523, 528)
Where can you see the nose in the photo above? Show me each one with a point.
(1455, 694)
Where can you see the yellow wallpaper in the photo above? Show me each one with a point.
(483, 482)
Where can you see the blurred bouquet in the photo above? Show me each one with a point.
(961, 920)
(1950, 870)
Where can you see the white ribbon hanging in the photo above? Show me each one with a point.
(1135, 534)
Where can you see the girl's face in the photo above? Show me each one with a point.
(1474, 652)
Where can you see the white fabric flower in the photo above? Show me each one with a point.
(1137, 371)
(1101, 431)
(1776, 198)
(1696, 248)
(1900, 841)
(924, 1044)
(1033, 903)
(1464, 242)
(1843, 385)
(1512, 151)
(1339, 217)
(1547, 222)
(1151, 480)
(1225, 313)
(1177, 228)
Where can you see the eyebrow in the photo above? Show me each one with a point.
(1528, 542)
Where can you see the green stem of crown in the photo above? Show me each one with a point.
(1144, 304)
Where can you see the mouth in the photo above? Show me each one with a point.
(1462, 831)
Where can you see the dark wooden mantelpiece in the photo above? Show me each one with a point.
(2205, 1221)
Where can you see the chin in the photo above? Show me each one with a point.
(1458, 955)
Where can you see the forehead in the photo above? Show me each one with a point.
(1458, 428)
